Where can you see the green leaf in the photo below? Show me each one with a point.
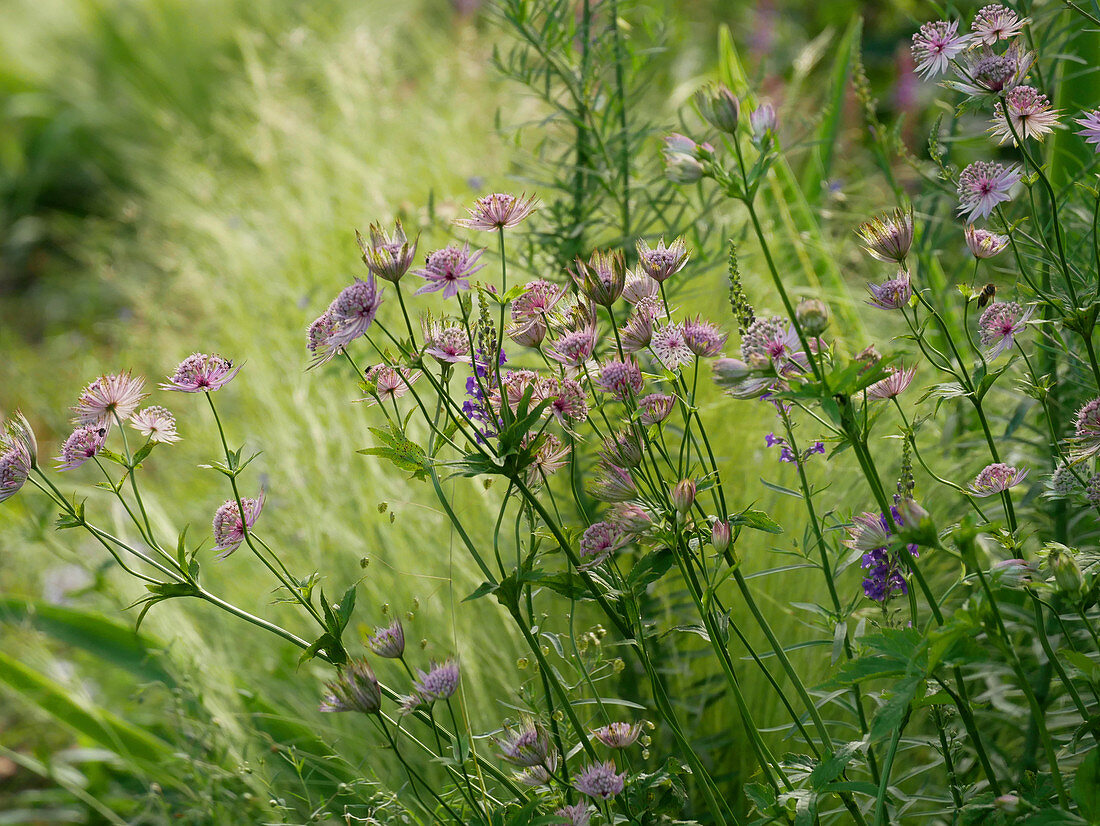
(832, 767)
(649, 568)
(893, 712)
(1086, 786)
(397, 448)
(758, 520)
(143, 452)
(347, 605)
(482, 590)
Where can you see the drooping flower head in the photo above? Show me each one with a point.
(1090, 124)
(670, 345)
(321, 339)
(996, 478)
(525, 745)
(107, 397)
(599, 780)
(984, 244)
(437, 683)
(388, 641)
(201, 373)
(682, 158)
(662, 262)
(155, 423)
(600, 539)
(637, 333)
(389, 383)
(82, 445)
(655, 407)
(354, 689)
(229, 528)
(388, 256)
(550, 457)
(995, 22)
(18, 454)
(893, 385)
(601, 278)
(935, 45)
(500, 210)
(449, 270)
(618, 735)
(630, 518)
(539, 775)
(1029, 116)
(888, 237)
(983, 185)
(353, 311)
(893, 294)
(999, 325)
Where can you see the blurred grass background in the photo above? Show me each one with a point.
(179, 176)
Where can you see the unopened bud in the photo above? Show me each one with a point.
(720, 536)
(763, 121)
(1063, 564)
(719, 107)
(683, 496)
(813, 316)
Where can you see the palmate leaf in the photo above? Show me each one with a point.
(400, 450)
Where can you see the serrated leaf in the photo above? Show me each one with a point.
(401, 451)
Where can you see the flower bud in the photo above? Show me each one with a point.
(682, 156)
(719, 107)
(683, 496)
(813, 316)
(1067, 573)
(763, 121)
(730, 371)
(720, 536)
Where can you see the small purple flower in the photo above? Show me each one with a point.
(997, 478)
(438, 683)
(984, 244)
(935, 45)
(703, 338)
(321, 339)
(893, 294)
(599, 780)
(449, 270)
(355, 689)
(230, 529)
(1091, 127)
(870, 535)
(574, 348)
(763, 122)
(353, 311)
(578, 814)
(537, 301)
(201, 373)
(618, 735)
(500, 210)
(107, 397)
(613, 484)
(388, 641)
(995, 22)
(82, 445)
(655, 407)
(893, 385)
(447, 344)
(155, 423)
(388, 256)
(525, 746)
(18, 454)
(622, 378)
(984, 73)
(661, 263)
(999, 325)
(983, 185)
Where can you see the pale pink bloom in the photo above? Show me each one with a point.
(602, 278)
(996, 478)
(935, 45)
(552, 455)
(537, 301)
(108, 397)
(772, 341)
(893, 385)
(999, 325)
(893, 294)
(388, 256)
(201, 373)
(1086, 439)
(670, 346)
(449, 344)
(995, 22)
(622, 378)
(599, 780)
(637, 332)
(390, 383)
(574, 348)
(155, 423)
(868, 532)
(682, 158)
(703, 338)
(660, 263)
(655, 407)
(888, 237)
(639, 285)
(320, 339)
(763, 122)
(983, 243)
(1029, 115)
(528, 333)
(630, 518)
(515, 384)
(499, 211)
(983, 185)
(622, 448)
(229, 528)
(618, 735)
(18, 454)
(599, 541)
(355, 689)
(82, 445)
(449, 270)
(614, 484)
(568, 401)
(353, 311)
(1091, 130)
(540, 775)
(579, 814)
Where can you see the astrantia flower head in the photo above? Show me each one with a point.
(771, 341)
(670, 345)
(82, 445)
(719, 107)
(437, 683)
(703, 338)
(578, 814)
(983, 185)
(661, 263)
(353, 311)
(388, 256)
(999, 325)
(574, 348)
(893, 385)
(1090, 124)
(618, 735)
(623, 448)
(500, 210)
(613, 484)
(321, 339)
(888, 237)
(600, 539)
(107, 397)
(935, 45)
(525, 745)
(620, 377)
(201, 373)
(155, 423)
(1029, 116)
(1062, 482)
(984, 73)
(995, 22)
(996, 478)
(539, 775)
(449, 270)
(18, 454)
(229, 528)
(639, 285)
(602, 277)
(984, 244)
(446, 343)
(388, 641)
(630, 518)
(637, 333)
(870, 535)
(893, 294)
(1086, 439)
(550, 457)
(655, 407)
(355, 689)
(600, 781)
(389, 383)
(568, 400)
(537, 301)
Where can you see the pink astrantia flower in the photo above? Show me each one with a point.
(353, 311)
(984, 73)
(618, 735)
(999, 325)
(201, 373)
(499, 211)
(525, 745)
(449, 270)
(599, 780)
(537, 301)
(622, 378)
(437, 683)
(446, 343)
(600, 539)
(893, 294)
(704, 338)
(995, 22)
(613, 484)
(155, 423)
(670, 345)
(888, 237)
(637, 332)
(655, 408)
(602, 278)
(623, 448)
(868, 532)
(763, 122)
(935, 45)
(18, 454)
(893, 385)
(630, 518)
(387, 256)
(108, 397)
(229, 528)
(574, 348)
(661, 263)
(1091, 127)
(639, 285)
(984, 244)
(82, 445)
(390, 383)
(355, 689)
(388, 641)
(1086, 435)
(568, 401)
(321, 339)
(772, 341)
(983, 185)
(1029, 116)
(996, 478)
(579, 814)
